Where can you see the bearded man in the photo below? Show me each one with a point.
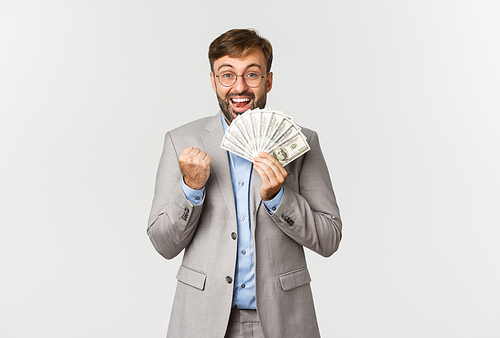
(242, 225)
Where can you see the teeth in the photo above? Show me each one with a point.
(240, 100)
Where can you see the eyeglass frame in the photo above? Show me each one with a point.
(242, 75)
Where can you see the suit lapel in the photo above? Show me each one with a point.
(219, 166)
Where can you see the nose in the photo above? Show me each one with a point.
(240, 86)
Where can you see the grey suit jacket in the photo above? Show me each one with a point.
(307, 217)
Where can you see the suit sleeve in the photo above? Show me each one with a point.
(173, 219)
(310, 216)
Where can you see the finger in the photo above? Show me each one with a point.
(264, 162)
(201, 155)
(271, 162)
(189, 151)
(276, 173)
(203, 159)
(195, 152)
(262, 173)
(268, 171)
(275, 161)
(185, 152)
(265, 157)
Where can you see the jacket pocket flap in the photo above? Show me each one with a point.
(294, 279)
(191, 277)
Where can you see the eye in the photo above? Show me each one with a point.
(252, 75)
(227, 75)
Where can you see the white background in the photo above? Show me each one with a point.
(404, 96)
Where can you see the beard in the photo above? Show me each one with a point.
(230, 114)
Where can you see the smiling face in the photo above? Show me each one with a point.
(239, 98)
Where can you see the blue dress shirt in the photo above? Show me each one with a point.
(241, 175)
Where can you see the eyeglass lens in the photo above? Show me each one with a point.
(252, 79)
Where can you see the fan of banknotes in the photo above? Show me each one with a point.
(265, 130)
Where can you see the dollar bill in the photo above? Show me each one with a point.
(265, 130)
(290, 149)
(233, 144)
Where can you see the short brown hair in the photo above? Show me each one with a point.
(238, 43)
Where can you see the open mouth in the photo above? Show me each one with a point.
(240, 104)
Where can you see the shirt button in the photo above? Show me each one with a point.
(242, 183)
(274, 208)
(242, 218)
(197, 198)
(233, 235)
(229, 280)
(243, 252)
(243, 286)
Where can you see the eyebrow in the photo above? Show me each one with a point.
(231, 66)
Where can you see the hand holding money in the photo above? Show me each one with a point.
(272, 174)
(195, 167)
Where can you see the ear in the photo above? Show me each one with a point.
(212, 80)
(269, 81)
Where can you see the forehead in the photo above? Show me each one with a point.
(254, 58)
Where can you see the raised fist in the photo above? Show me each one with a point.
(195, 167)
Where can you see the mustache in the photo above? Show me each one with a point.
(249, 94)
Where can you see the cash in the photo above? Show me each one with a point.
(268, 131)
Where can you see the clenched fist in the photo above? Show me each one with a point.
(195, 167)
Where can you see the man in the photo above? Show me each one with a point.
(242, 225)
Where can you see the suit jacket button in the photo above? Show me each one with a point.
(229, 280)
(233, 235)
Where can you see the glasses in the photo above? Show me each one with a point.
(251, 79)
